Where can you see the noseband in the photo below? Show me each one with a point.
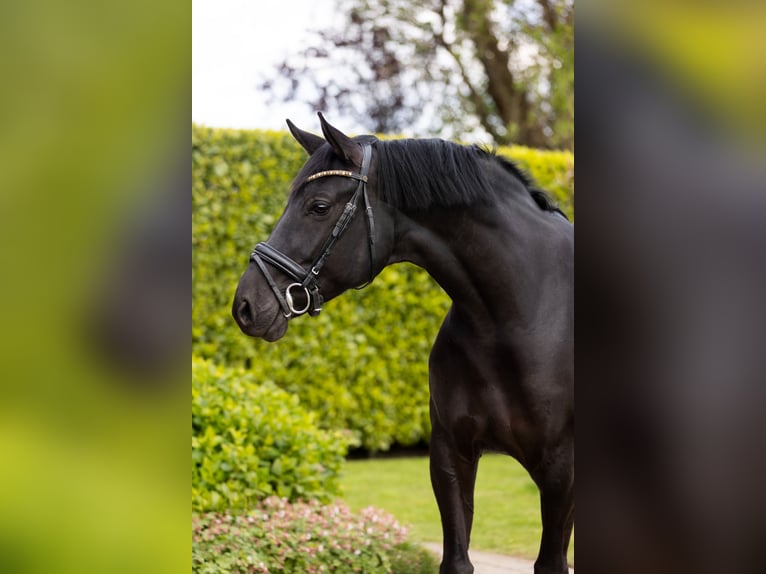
(306, 280)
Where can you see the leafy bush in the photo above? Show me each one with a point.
(250, 441)
(553, 171)
(305, 538)
(363, 363)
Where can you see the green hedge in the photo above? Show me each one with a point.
(251, 441)
(362, 364)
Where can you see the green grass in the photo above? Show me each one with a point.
(506, 501)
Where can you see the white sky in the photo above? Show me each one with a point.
(235, 43)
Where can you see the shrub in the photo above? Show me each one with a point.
(363, 363)
(250, 441)
(552, 171)
(305, 538)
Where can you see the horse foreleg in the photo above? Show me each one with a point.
(453, 477)
(555, 478)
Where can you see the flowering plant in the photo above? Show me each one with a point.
(277, 536)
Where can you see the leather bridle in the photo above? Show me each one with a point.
(307, 279)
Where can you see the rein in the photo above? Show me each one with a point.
(305, 281)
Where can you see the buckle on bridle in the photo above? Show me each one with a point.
(291, 302)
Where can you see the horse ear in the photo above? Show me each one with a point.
(342, 145)
(308, 141)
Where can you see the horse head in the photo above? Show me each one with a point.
(333, 235)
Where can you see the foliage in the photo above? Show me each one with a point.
(363, 363)
(503, 66)
(306, 538)
(553, 171)
(250, 441)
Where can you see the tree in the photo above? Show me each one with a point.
(500, 68)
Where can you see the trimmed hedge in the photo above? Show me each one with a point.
(251, 441)
(363, 363)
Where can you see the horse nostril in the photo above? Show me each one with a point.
(244, 314)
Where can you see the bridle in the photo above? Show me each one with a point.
(307, 279)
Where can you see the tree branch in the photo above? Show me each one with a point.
(480, 105)
(508, 99)
(550, 17)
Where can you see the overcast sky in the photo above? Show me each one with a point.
(236, 42)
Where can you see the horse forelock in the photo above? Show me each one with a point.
(324, 159)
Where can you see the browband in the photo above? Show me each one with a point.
(340, 172)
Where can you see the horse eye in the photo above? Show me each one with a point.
(320, 208)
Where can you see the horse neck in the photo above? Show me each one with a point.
(493, 261)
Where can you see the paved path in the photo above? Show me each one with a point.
(490, 563)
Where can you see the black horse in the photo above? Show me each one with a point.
(501, 369)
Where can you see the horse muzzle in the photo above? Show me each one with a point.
(255, 312)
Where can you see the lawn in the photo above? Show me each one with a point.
(507, 507)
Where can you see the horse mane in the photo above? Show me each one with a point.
(419, 174)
